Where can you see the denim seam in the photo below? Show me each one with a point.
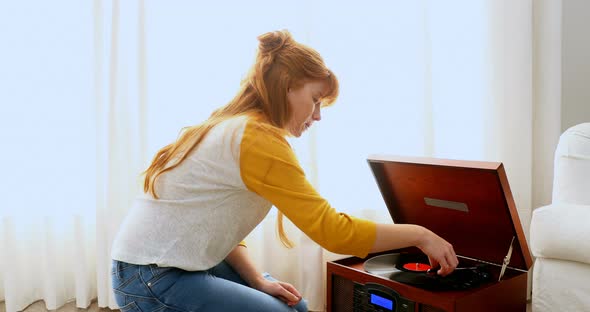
(118, 269)
(160, 308)
(156, 278)
(156, 297)
(127, 282)
(135, 296)
(133, 304)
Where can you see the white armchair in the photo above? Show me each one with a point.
(560, 232)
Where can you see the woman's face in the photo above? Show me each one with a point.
(305, 105)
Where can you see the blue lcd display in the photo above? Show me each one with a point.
(382, 302)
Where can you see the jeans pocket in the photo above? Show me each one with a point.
(130, 307)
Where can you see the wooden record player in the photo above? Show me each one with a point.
(467, 203)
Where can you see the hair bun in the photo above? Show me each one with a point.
(273, 41)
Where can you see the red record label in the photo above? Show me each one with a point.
(417, 267)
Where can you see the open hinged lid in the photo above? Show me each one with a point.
(468, 203)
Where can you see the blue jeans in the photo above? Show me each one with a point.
(149, 288)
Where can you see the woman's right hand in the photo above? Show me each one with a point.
(440, 252)
(396, 236)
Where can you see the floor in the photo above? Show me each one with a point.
(40, 307)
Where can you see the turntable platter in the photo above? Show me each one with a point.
(383, 265)
(411, 269)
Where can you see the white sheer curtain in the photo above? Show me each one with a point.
(47, 132)
(72, 93)
(91, 90)
(120, 101)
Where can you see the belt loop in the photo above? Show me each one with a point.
(118, 268)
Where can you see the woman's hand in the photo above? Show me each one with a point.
(440, 252)
(284, 291)
(238, 259)
(396, 236)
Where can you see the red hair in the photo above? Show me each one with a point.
(281, 63)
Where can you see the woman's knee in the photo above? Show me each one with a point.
(301, 306)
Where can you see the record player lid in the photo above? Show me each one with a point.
(468, 203)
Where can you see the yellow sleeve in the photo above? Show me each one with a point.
(270, 168)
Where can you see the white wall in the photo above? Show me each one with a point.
(561, 82)
(547, 21)
(575, 63)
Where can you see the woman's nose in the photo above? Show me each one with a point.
(317, 116)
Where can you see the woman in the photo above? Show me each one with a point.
(180, 247)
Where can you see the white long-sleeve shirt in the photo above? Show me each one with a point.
(221, 192)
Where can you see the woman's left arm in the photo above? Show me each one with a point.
(239, 260)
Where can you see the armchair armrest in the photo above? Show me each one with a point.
(561, 231)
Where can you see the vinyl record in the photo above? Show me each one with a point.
(460, 279)
(384, 265)
(418, 279)
(411, 269)
(413, 262)
(416, 266)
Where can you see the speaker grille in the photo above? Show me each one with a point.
(342, 294)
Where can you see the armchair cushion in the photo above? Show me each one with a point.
(561, 231)
(572, 166)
